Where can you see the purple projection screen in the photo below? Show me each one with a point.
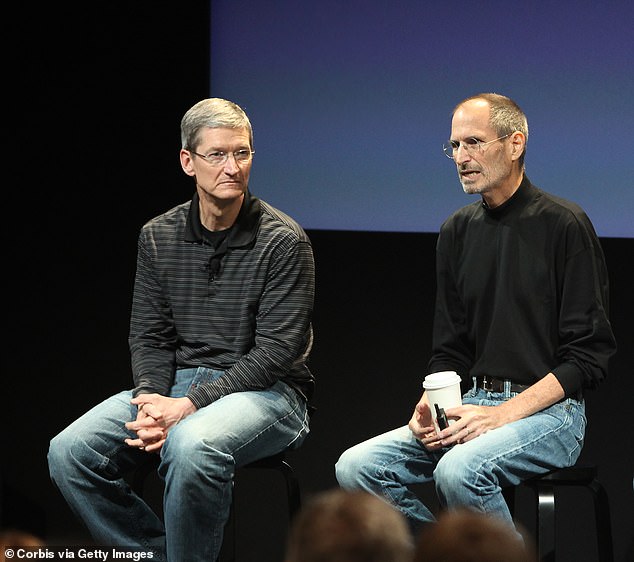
(351, 102)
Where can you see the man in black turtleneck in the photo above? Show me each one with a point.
(521, 315)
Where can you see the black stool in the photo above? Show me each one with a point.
(276, 462)
(544, 488)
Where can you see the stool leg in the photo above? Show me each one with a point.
(292, 489)
(228, 552)
(545, 524)
(509, 497)
(602, 521)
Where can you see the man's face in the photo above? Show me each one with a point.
(480, 170)
(223, 182)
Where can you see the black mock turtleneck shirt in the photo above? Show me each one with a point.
(522, 290)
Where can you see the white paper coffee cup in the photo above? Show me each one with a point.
(443, 392)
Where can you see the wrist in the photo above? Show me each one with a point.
(188, 406)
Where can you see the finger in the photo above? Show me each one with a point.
(145, 423)
(153, 447)
(431, 444)
(135, 443)
(462, 435)
(450, 436)
(145, 404)
(139, 425)
(435, 446)
(429, 437)
(147, 442)
(415, 429)
(149, 437)
(150, 410)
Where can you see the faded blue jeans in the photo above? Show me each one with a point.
(471, 474)
(88, 461)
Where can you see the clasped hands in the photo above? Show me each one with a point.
(469, 422)
(156, 415)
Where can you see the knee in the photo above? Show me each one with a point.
(54, 455)
(178, 448)
(62, 454)
(350, 468)
(185, 454)
(452, 473)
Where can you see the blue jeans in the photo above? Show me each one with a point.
(87, 462)
(470, 474)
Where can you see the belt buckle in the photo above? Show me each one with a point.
(487, 384)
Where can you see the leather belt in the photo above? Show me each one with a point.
(491, 384)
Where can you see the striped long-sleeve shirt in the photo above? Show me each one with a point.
(244, 307)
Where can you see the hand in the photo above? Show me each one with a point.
(422, 427)
(150, 435)
(156, 415)
(469, 422)
(472, 421)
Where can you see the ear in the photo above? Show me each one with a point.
(518, 144)
(187, 162)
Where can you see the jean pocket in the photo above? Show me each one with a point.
(204, 376)
(470, 393)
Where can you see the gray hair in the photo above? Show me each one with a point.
(505, 116)
(214, 113)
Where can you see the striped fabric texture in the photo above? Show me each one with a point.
(244, 307)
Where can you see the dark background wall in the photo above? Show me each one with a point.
(98, 97)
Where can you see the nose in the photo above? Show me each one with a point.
(461, 154)
(231, 164)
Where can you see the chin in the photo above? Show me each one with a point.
(471, 189)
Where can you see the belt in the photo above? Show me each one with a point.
(491, 384)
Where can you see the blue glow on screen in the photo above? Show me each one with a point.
(351, 102)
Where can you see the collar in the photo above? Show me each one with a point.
(524, 193)
(243, 231)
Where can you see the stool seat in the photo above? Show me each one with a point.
(544, 487)
(569, 476)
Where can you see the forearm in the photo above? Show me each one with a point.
(152, 336)
(544, 393)
(262, 366)
(152, 368)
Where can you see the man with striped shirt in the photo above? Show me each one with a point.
(220, 334)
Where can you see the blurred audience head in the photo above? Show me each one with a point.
(14, 539)
(349, 526)
(469, 536)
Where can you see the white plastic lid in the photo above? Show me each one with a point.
(440, 380)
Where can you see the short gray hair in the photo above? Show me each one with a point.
(505, 116)
(214, 113)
